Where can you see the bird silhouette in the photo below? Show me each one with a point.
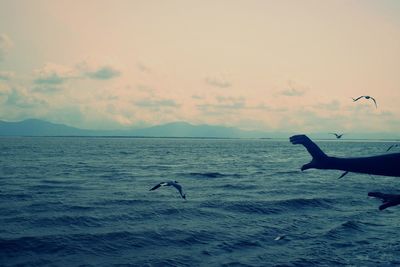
(338, 136)
(171, 183)
(394, 145)
(343, 174)
(366, 97)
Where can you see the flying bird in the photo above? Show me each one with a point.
(338, 136)
(394, 145)
(366, 97)
(171, 183)
(343, 174)
(279, 237)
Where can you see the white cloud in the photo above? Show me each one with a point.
(223, 103)
(156, 103)
(333, 105)
(292, 92)
(20, 97)
(103, 73)
(97, 72)
(54, 74)
(218, 82)
(293, 89)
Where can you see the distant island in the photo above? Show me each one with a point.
(36, 127)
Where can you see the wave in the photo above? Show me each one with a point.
(15, 196)
(243, 207)
(102, 243)
(286, 172)
(211, 174)
(123, 202)
(270, 207)
(237, 186)
(56, 186)
(301, 203)
(345, 229)
(57, 182)
(76, 221)
(239, 245)
(179, 260)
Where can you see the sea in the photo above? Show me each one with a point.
(82, 201)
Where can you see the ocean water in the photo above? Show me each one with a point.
(86, 202)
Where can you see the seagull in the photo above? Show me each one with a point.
(366, 97)
(394, 145)
(343, 174)
(279, 237)
(174, 184)
(338, 136)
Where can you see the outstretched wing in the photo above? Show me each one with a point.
(155, 187)
(373, 99)
(357, 98)
(389, 148)
(179, 188)
(343, 174)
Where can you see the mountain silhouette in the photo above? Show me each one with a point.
(35, 127)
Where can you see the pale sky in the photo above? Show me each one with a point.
(265, 65)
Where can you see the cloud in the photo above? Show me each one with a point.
(292, 92)
(144, 88)
(218, 82)
(21, 98)
(263, 106)
(53, 74)
(293, 89)
(103, 73)
(156, 103)
(333, 105)
(5, 45)
(223, 103)
(6, 75)
(197, 97)
(47, 88)
(53, 78)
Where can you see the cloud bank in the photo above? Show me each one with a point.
(103, 73)
(218, 82)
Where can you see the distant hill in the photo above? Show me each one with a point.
(184, 129)
(35, 127)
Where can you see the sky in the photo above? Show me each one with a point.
(252, 64)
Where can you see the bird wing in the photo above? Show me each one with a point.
(155, 187)
(179, 188)
(358, 98)
(389, 148)
(373, 99)
(343, 174)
